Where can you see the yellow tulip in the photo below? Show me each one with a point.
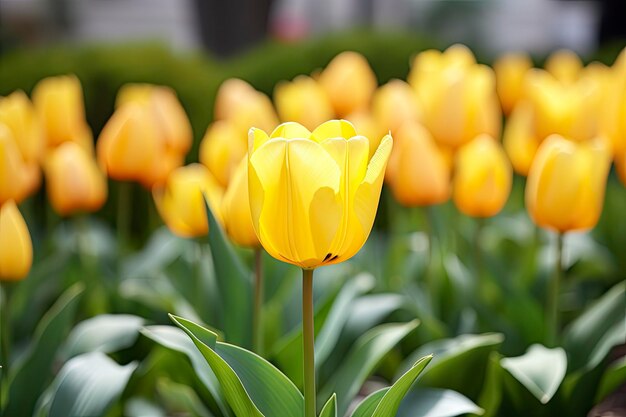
(365, 123)
(180, 201)
(168, 113)
(510, 70)
(566, 184)
(238, 102)
(16, 247)
(59, 103)
(18, 179)
(519, 138)
(18, 114)
(349, 82)
(236, 208)
(313, 196)
(221, 150)
(129, 147)
(394, 104)
(433, 63)
(482, 177)
(302, 100)
(74, 183)
(564, 65)
(417, 172)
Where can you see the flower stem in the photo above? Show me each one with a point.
(478, 259)
(553, 295)
(430, 264)
(5, 337)
(124, 203)
(257, 319)
(308, 343)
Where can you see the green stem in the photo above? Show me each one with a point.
(308, 343)
(478, 257)
(96, 291)
(429, 226)
(197, 276)
(5, 337)
(257, 319)
(124, 203)
(553, 295)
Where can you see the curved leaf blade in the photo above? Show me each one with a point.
(433, 402)
(330, 408)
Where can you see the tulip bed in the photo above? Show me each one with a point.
(455, 245)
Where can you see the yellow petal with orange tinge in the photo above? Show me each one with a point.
(221, 150)
(17, 179)
(16, 248)
(519, 140)
(302, 100)
(564, 65)
(236, 208)
(18, 114)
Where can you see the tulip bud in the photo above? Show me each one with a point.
(313, 196)
(236, 208)
(302, 100)
(73, 180)
(394, 104)
(18, 114)
(482, 177)
(180, 201)
(519, 139)
(349, 82)
(566, 184)
(59, 103)
(221, 150)
(18, 179)
(564, 65)
(510, 70)
(417, 171)
(16, 248)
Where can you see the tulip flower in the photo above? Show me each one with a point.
(235, 211)
(394, 104)
(519, 138)
(566, 184)
(417, 172)
(18, 179)
(242, 105)
(313, 198)
(510, 70)
(73, 180)
(180, 201)
(564, 65)
(482, 177)
(221, 150)
(59, 104)
(365, 123)
(302, 100)
(18, 114)
(433, 63)
(349, 82)
(16, 248)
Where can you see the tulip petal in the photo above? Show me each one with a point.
(17, 249)
(291, 130)
(256, 138)
(333, 129)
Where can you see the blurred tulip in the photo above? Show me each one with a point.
(457, 95)
(236, 208)
(180, 201)
(417, 171)
(73, 180)
(365, 123)
(16, 248)
(313, 196)
(482, 177)
(59, 104)
(510, 70)
(564, 65)
(519, 138)
(394, 104)
(221, 150)
(18, 179)
(349, 82)
(18, 114)
(238, 102)
(302, 100)
(129, 147)
(566, 184)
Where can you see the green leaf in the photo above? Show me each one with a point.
(181, 399)
(141, 407)
(235, 285)
(540, 370)
(88, 385)
(491, 394)
(330, 408)
(613, 378)
(389, 404)
(589, 331)
(104, 333)
(459, 363)
(367, 407)
(432, 402)
(30, 375)
(252, 386)
(369, 350)
(161, 250)
(175, 339)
